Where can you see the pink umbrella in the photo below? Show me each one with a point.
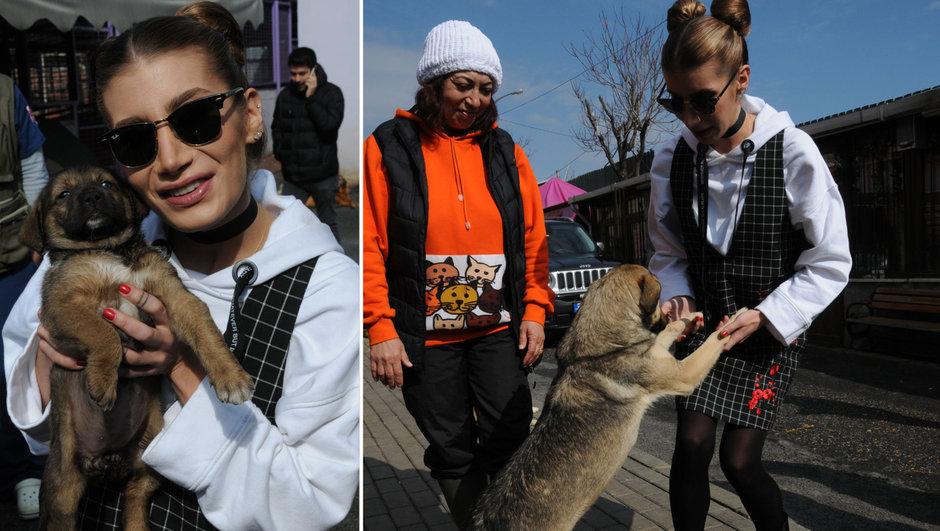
(557, 192)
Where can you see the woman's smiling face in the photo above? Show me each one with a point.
(466, 95)
(192, 188)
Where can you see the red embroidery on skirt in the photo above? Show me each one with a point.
(764, 389)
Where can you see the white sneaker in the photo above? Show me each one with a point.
(27, 498)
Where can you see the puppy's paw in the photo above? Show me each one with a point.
(677, 327)
(102, 389)
(234, 386)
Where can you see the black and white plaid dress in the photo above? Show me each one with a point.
(267, 318)
(748, 383)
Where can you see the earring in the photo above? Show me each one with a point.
(258, 135)
(259, 106)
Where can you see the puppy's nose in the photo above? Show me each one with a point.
(90, 196)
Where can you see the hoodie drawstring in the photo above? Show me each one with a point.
(460, 196)
(244, 273)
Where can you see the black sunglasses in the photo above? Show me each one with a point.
(196, 123)
(702, 102)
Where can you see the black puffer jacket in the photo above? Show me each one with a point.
(304, 131)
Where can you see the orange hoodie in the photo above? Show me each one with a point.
(464, 244)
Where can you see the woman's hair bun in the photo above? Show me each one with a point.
(221, 20)
(682, 12)
(734, 13)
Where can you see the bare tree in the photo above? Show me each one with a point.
(524, 142)
(622, 60)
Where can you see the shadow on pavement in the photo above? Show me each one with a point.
(915, 504)
(824, 406)
(899, 375)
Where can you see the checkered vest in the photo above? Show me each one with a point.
(764, 247)
(267, 320)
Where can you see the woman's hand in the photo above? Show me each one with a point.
(387, 360)
(741, 328)
(682, 307)
(162, 352)
(532, 340)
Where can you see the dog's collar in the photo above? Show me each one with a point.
(229, 230)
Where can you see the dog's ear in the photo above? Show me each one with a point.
(139, 209)
(31, 233)
(649, 293)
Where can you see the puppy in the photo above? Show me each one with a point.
(89, 223)
(611, 366)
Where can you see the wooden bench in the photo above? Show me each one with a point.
(906, 308)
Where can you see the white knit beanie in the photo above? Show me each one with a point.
(457, 45)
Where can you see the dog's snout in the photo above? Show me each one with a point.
(90, 196)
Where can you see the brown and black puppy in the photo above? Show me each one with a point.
(611, 365)
(89, 223)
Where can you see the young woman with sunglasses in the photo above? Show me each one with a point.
(185, 129)
(743, 213)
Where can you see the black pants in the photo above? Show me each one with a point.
(323, 193)
(483, 374)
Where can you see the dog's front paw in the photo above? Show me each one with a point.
(234, 386)
(102, 389)
(676, 327)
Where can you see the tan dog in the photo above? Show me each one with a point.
(89, 222)
(611, 366)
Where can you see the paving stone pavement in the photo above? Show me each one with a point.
(399, 493)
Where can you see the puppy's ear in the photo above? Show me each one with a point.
(139, 209)
(32, 233)
(649, 293)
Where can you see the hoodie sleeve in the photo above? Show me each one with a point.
(669, 262)
(538, 298)
(20, 345)
(822, 270)
(377, 314)
(303, 472)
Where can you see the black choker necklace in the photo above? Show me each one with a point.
(736, 126)
(229, 230)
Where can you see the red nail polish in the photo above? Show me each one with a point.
(108, 314)
(723, 334)
(81, 363)
(124, 288)
(699, 318)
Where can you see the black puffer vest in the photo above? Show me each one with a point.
(399, 140)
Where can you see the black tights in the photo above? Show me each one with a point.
(740, 456)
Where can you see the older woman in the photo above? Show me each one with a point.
(455, 272)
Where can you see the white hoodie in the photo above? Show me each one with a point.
(815, 206)
(246, 472)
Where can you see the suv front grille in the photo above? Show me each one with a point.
(575, 281)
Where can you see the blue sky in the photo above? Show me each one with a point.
(810, 58)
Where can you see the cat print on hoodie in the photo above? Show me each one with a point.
(440, 274)
(461, 297)
(479, 273)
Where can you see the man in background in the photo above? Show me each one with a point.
(23, 175)
(306, 123)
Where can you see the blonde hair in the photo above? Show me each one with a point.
(695, 38)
